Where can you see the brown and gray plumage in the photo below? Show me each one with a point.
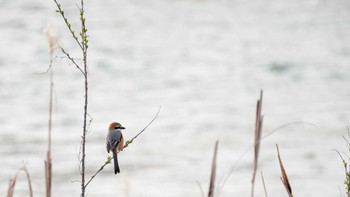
(115, 142)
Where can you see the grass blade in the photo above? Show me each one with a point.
(257, 138)
(213, 172)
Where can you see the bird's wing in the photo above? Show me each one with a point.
(121, 144)
(108, 146)
(114, 139)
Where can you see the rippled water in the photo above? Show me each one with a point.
(204, 62)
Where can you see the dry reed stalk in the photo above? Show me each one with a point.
(53, 44)
(213, 172)
(48, 162)
(29, 181)
(263, 182)
(48, 173)
(12, 184)
(284, 177)
(257, 138)
(13, 181)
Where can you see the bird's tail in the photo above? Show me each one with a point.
(116, 165)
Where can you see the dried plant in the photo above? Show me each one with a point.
(51, 37)
(53, 44)
(48, 161)
(13, 181)
(213, 172)
(263, 182)
(284, 177)
(257, 138)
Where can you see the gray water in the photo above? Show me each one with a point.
(204, 62)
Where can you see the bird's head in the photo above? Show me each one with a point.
(115, 125)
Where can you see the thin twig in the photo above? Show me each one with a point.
(47, 70)
(132, 139)
(287, 125)
(126, 145)
(78, 153)
(101, 168)
(200, 188)
(72, 60)
(89, 123)
(67, 23)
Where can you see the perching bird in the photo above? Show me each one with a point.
(115, 142)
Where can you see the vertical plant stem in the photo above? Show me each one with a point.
(50, 109)
(48, 162)
(84, 130)
(85, 46)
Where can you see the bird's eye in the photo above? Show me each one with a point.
(116, 127)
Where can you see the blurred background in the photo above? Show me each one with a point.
(204, 62)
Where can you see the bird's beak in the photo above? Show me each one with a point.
(121, 127)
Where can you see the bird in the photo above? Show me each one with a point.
(115, 142)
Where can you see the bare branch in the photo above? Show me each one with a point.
(132, 139)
